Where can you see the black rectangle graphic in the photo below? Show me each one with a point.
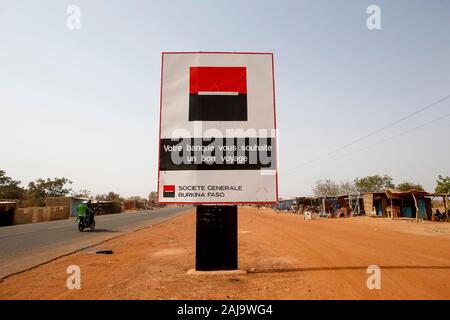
(217, 154)
(215, 107)
(169, 194)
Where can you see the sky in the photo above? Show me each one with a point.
(84, 104)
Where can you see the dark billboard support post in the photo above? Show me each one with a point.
(216, 238)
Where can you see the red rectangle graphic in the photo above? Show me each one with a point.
(218, 79)
(169, 188)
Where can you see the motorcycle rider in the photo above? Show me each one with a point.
(440, 216)
(86, 213)
(90, 211)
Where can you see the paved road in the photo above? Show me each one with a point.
(25, 246)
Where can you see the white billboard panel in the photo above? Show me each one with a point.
(217, 128)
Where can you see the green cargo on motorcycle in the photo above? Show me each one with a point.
(85, 216)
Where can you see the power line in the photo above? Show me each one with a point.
(371, 133)
(397, 135)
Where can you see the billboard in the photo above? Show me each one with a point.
(217, 139)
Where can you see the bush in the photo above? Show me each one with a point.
(116, 207)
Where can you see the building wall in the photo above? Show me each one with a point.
(369, 200)
(141, 204)
(40, 214)
(129, 205)
(342, 202)
(110, 207)
(368, 203)
(428, 208)
(384, 205)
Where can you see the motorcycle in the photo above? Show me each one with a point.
(85, 218)
(440, 216)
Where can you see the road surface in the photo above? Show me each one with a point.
(25, 246)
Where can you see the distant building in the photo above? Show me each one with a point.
(398, 204)
(135, 205)
(285, 204)
(333, 206)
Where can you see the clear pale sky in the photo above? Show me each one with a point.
(84, 104)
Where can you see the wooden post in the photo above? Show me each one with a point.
(445, 207)
(392, 210)
(350, 207)
(388, 212)
(417, 208)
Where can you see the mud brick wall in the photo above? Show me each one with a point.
(40, 214)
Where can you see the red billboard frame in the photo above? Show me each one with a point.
(274, 119)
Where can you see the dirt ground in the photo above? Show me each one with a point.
(285, 257)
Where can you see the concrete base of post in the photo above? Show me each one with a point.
(217, 272)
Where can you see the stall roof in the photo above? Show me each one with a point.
(378, 193)
(290, 199)
(401, 194)
(7, 202)
(440, 194)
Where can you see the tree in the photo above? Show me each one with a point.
(406, 186)
(82, 194)
(329, 188)
(9, 188)
(323, 188)
(110, 196)
(40, 189)
(137, 198)
(347, 188)
(152, 196)
(374, 183)
(442, 184)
